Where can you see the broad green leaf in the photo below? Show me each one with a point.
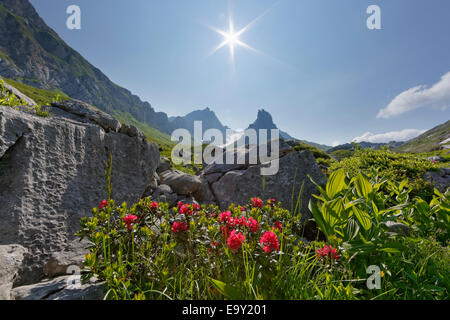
(228, 291)
(335, 183)
(352, 230)
(363, 186)
(363, 218)
(318, 217)
(403, 184)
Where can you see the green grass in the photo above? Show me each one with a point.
(40, 96)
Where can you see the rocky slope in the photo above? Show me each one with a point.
(52, 174)
(437, 138)
(33, 53)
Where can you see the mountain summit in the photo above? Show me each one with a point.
(207, 116)
(264, 121)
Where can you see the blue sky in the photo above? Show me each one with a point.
(323, 75)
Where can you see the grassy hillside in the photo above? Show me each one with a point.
(429, 141)
(40, 96)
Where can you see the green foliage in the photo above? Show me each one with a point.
(354, 213)
(391, 166)
(317, 153)
(148, 260)
(40, 96)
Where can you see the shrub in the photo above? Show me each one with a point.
(192, 252)
(391, 166)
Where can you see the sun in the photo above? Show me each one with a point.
(231, 37)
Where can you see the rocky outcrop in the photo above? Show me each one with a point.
(440, 179)
(62, 288)
(222, 184)
(11, 257)
(239, 186)
(52, 173)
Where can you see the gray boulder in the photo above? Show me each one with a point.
(62, 288)
(440, 179)
(180, 182)
(436, 159)
(239, 186)
(82, 109)
(11, 258)
(52, 174)
(398, 228)
(164, 165)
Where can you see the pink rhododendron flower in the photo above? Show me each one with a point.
(129, 220)
(328, 251)
(103, 204)
(257, 202)
(225, 216)
(235, 240)
(270, 242)
(185, 209)
(253, 225)
(154, 205)
(278, 226)
(178, 227)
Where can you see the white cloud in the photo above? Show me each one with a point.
(438, 96)
(403, 135)
(335, 143)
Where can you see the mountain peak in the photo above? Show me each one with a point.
(263, 121)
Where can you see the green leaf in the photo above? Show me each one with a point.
(318, 217)
(363, 186)
(363, 218)
(402, 185)
(335, 183)
(352, 230)
(226, 290)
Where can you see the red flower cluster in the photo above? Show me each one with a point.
(278, 226)
(188, 209)
(270, 242)
(238, 222)
(271, 202)
(154, 205)
(225, 216)
(253, 225)
(103, 204)
(129, 220)
(257, 202)
(328, 251)
(235, 240)
(178, 227)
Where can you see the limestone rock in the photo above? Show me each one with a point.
(440, 179)
(11, 257)
(164, 165)
(85, 110)
(239, 186)
(180, 182)
(62, 288)
(52, 174)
